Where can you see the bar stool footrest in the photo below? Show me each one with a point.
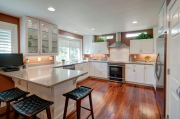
(86, 108)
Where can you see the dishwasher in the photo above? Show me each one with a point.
(71, 67)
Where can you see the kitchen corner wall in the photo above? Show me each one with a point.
(127, 42)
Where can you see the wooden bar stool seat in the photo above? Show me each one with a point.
(78, 94)
(10, 95)
(30, 106)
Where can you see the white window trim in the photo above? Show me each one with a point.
(70, 38)
(14, 41)
(134, 34)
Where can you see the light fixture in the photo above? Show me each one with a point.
(44, 36)
(134, 22)
(51, 9)
(75, 31)
(41, 24)
(92, 29)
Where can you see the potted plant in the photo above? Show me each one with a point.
(100, 39)
(63, 61)
(143, 36)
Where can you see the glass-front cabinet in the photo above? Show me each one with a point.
(32, 36)
(45, 38)
(38, 38)
(54, 37)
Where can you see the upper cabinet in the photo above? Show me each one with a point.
(144, 46)
(91, 47)
(38, 38)
(162, 20)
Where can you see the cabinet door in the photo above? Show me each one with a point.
(91, 69)
(33, 38)
(54, 40)
(45, 37)
(147, 46)
(95, 48)
(155, 36)
(161, 22)
(129, 72)
(138, 73)
(135, 46)
(104, 48)
(87, 41)
(149, 75)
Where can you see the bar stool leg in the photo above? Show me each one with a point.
(15, 115)
(65, 108)
(91, 105)
(34, 116)
(78, 106)
(0, 104)
(48, 112)
(7, 110)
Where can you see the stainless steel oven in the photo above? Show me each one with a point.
(117, 72)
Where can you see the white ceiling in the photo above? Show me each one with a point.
(106, 16)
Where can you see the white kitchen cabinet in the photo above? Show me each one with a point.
(95, 48)
(82, 67)
(135, 46)
(129, 72)
(100, 48)
(87, 41)
(37, 37)
(143, 46)
(155, 36)
(142, 74)
(149, 75)
(100, 70)
(138, 73)
(147, 46)
(91, 68)
(162, 20)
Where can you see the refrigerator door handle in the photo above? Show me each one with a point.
(156, 68)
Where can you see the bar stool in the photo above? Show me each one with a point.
(30, 106)
(10, 95)
(78, 94)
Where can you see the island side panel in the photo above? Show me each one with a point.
(59, 99)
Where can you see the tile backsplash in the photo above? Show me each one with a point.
(34, 59)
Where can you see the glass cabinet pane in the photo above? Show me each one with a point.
(33, 36)
(45, 37)
(54, 32)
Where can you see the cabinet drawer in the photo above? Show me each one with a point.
(134, 65)
(100, 64)
(102, 74)
(100, 68)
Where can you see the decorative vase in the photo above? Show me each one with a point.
(63, 62)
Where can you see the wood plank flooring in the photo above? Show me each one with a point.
(119, 101)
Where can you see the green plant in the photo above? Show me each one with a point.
(143, 36)
(99, 39)
(63, 60)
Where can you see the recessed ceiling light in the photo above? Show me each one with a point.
(41, 24)
(75, 31)
(44, 36)
(134, 22)
(92, 29)
(51, 9)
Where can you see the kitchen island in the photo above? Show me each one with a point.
(48, 83)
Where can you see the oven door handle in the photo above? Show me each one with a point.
(117, 65)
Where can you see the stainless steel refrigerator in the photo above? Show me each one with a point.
(160, 73)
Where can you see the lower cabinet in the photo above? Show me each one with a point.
(143, 74)
(82, 67)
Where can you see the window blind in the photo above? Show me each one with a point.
(74, 44)
(5, 41)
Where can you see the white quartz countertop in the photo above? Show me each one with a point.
(47, 76)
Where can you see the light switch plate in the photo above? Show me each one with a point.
(39, 59)
(50, 58)
(134, 56)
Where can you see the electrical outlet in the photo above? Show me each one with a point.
(50, 58)
(134, 56)
(27, 60)
(39, 58)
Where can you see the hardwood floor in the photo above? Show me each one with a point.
(119, 101)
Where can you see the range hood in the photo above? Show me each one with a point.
(118, 42)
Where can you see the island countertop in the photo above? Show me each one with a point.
(47, 76)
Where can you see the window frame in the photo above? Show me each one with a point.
(14, 36)
(69, 39)
(134, 33)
